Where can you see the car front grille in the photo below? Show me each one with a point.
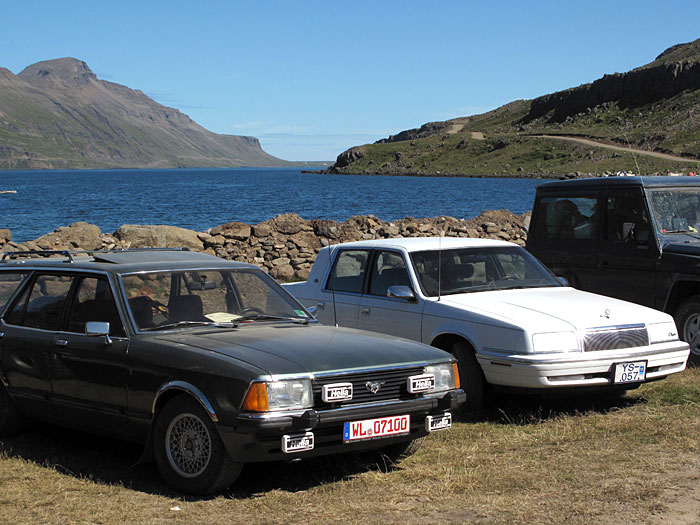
(392, 385)
(615, 337)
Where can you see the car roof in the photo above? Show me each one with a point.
(606, 182)
(118, 261)
(416, 244)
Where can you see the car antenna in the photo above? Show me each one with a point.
(634, 157)
(440, 258)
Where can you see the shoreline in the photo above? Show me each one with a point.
(285, 246)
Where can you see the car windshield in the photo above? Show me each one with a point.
(676, 210)
(465, 270)
(174, 299)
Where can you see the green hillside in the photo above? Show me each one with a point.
(654, 110)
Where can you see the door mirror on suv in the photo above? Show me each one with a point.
(98, 328)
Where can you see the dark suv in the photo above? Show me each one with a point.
(207, 363)
(634, 238)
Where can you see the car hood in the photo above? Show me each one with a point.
(686, 248)
(553, 309)
(279, 348)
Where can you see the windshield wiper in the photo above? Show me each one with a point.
(269, 317)
(179, 324)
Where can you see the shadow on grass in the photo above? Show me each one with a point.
(112, 462)
(509, 408)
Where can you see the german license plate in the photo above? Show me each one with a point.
(630, 372)
(435, 423)
(297, 442)
(376, 428)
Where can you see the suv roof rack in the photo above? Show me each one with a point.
(70, 253)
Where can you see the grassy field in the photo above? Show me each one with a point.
(532, 460)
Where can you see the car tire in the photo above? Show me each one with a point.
(471, 379)
(10, 420)
(688, 323)
(189, 452)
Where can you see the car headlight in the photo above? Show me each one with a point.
(446, 376)
(555, 342)
(662, 332)
(287, 394)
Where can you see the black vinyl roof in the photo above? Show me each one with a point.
(123, 261)
(607, 182)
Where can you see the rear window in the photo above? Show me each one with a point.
(9, 282)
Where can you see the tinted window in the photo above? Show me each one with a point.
(626, 216)
(566, 218)
(349, 271)
(93, 301)
(389, 269)
(9, 282)
(41, 305)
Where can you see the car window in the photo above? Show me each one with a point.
(389, 269)
(676, 209)
(42, 304)
(349, 270)
(465, 270)
(9, 282)
(567, 218)
(93, 301)
(626, 216)
(162, 299)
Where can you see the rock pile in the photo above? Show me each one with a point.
(286, 246)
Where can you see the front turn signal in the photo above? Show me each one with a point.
(256, 398)
(456, 371)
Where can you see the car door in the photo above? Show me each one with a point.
(344, 288)
(627, 254)
(390, 315)
(89, 374)
(29, 326)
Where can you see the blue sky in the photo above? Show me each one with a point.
(313, 78)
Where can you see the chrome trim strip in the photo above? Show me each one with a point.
(583, 357)
(190, 389)
(254, 416)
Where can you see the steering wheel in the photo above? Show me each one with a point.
(250, 310)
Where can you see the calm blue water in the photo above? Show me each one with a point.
(198, 199)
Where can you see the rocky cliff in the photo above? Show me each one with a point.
(58, 114)
(653, 110)
(285, 246)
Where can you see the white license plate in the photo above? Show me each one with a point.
(297, 443)
(435, 423)
(630, 372)
(376, 428)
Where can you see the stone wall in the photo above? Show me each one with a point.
(286, 246)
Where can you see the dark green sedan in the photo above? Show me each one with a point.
(209, 364)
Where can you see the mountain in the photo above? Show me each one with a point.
(646, 120)
(58, 114)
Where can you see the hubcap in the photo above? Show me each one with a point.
(691, 333)
(188, 445)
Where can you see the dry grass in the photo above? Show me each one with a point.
(591, 460)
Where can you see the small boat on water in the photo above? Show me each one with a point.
(8, 191)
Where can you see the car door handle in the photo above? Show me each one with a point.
(364, 310)
(321, 305)
(61, 342)
(2, 334)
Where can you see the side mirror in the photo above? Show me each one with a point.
(98, 328)
(401, 292)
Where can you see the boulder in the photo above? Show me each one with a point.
(158, 236)
(77, 236)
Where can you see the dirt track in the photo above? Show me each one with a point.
(617, 148)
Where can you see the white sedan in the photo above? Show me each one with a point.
(507, 318)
